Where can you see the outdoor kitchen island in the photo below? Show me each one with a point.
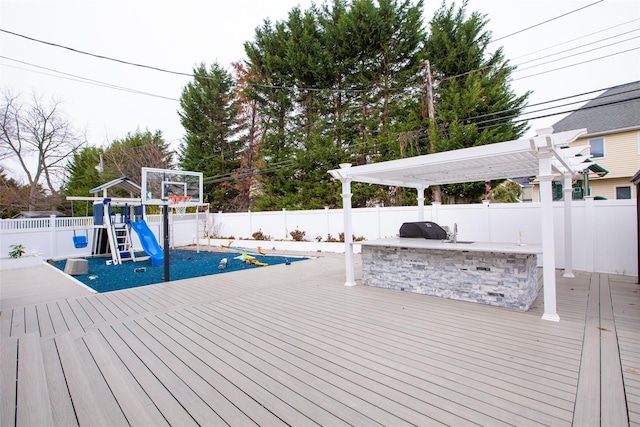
(502, 274)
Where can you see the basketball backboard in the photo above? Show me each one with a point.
(159, 185)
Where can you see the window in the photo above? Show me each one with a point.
(597, 147)
(623, 192)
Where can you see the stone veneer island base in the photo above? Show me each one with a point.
(501, 274)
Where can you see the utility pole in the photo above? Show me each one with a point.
(427, 104)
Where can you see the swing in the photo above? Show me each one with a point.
(80, 242)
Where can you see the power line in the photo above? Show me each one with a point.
(584, 45)
(547, 21)
(581, 37)
(81, 79)
(257, 85)
(107, 58)
(575, 64)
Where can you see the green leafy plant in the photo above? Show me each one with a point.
(16, 251)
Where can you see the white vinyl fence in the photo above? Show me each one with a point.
(604, 231)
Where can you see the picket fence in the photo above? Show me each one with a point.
(604, 231)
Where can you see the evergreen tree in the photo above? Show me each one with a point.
(331, 83)
(208, 111)
(474, 103)
(91, 167)
(83, 172)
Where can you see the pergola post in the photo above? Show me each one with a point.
(348, 228)
(420, 191)
(568, 231)
(545, 177)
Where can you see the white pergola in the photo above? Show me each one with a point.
(545, 156)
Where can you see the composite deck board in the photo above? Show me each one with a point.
(33, 403)
(404, 376)
(440, 348)
(371, 391)
(585, 412)
(197, 408)
(31, 320)
(80, 312)
(429, 330)
(625, 299)
(353, 408)
(311, 409)
(58, 320)
(92, 399)
(17, 322)
(215, 400)
(167, 403)
(372, 348)
(61, 405)
(207, 368)
(45, 324)
(114, 310)
(420, 327)
(613, 406)
(296, 347)
(136, 405)
(403, 336)
(6, 316)
(118, 307)
(8, 379)
(258, 394)
(86, 311)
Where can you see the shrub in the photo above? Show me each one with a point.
(258, 235)
(297, 235)
(330, 238)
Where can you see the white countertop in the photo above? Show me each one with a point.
(420, 243)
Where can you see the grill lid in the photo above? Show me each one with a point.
(425, 229)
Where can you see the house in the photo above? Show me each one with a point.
(38, 214)
(612, 121)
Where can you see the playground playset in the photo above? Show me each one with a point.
(115, 218)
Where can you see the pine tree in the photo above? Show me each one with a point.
(208, 110)
(474, 103)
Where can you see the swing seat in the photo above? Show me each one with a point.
(80, 241)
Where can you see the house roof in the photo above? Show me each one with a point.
(122, 182)
(487, 162)
(616, 109)
(38, 214)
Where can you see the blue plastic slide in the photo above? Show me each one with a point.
(149, 242)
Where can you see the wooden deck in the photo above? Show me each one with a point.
(290, 345)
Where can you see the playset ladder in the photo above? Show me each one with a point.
(123, 241)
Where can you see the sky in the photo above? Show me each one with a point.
(586, 50)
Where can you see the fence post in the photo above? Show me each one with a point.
(434, 211)
(589, 241)
(53, 227)
(485, 205)
(284, 215)
(379, 220)
(326, 213)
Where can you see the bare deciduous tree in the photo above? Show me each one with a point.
(39, 138)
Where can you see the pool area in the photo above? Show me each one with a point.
(184, 264)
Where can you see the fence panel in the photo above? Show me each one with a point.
(604, 231)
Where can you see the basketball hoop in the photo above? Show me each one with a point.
(179, 204)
